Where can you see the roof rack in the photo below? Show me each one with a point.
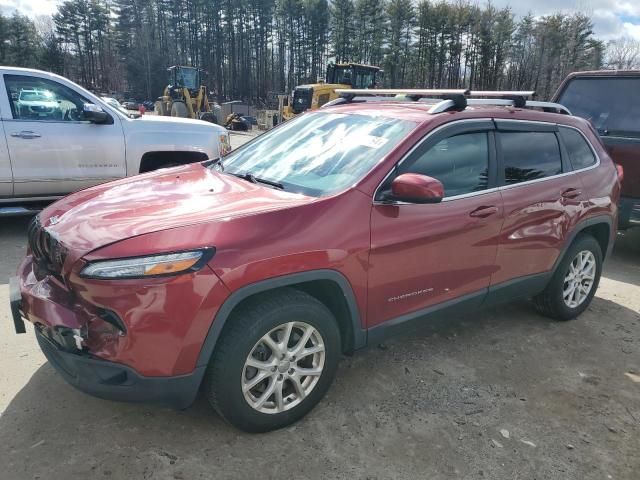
(453, 99)
(546, 106)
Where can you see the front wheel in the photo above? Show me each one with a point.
(179, 109)
(275, 361)
(574, 282)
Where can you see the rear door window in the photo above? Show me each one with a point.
(611, 104)
(529, 155)
(580, 153)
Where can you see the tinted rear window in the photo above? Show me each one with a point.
(580, 153)
(529, 156)
(612, 105)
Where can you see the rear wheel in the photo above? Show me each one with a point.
(275, 362)
(574, 282)
(179, 109)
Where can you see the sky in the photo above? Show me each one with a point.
(611, 18)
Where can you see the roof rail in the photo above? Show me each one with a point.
(408, 92)
(501, 93)
(507, 102)
(519, 98)
(452, 99)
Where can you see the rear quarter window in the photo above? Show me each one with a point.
(580, 153)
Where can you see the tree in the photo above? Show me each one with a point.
(342, 30)
(253, 48)
(623, 54)
(399, 36)
(21, 41)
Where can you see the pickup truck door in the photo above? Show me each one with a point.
(6, 176)
(53, 151)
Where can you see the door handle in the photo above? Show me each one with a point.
(483, 212)
(26, 134)
(571, 193)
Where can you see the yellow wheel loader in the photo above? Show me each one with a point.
(185, 96)
(341, 75)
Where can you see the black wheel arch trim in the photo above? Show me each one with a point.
(581, 226)
(223, 314)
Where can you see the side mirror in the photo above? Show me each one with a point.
(94, 113)
(416, 188)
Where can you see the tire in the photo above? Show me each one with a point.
(179, 109)
(242, 340)
(551, 302)
(159, 108)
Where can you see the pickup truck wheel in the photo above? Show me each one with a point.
(275, 362)
(574, 282)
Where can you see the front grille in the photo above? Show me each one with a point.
(40, 109)
(47, 252)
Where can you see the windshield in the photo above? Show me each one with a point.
(611, 104)
(319, 154)
(187, 77)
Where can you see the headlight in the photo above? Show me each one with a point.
(151, 266)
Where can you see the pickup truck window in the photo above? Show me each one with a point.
(39, 99)
(611, 104)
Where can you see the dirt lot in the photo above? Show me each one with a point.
(505, 394)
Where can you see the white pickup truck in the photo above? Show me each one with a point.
(56, 138)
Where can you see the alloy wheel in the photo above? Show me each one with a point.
(579, 279)
(283, 367)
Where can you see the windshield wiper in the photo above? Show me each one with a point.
(212, 162)
(250, 177)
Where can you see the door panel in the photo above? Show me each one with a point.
(540, 201)
(6, 177)
(65, 157)
(52, 150)
(422, 255)
(537, 219)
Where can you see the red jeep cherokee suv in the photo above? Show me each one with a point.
(252, 274)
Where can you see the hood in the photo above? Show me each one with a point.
(160, 200)
(151, 117)
(168, 123)
(39, 103)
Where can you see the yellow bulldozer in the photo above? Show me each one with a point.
(340, 75)
(185, 96)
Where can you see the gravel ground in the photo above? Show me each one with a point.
(504, 394)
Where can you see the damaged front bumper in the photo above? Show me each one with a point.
(113, 381)
(59, 332)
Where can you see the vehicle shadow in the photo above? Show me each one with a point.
(50, 430)
(624, 264)
(13, 244)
